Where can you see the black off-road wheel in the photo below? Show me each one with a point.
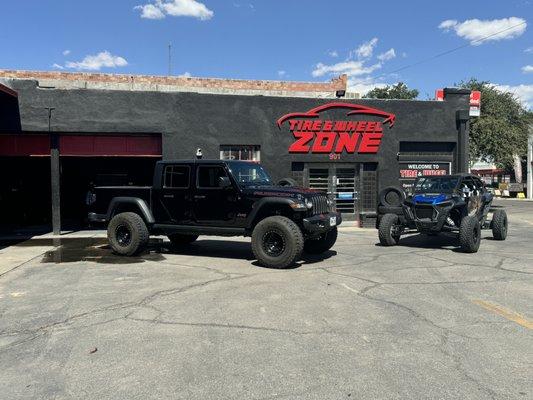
(322, 243)
(178, 239)
(277, 242)
(389, 230)
(127, 234)
(499, 225)
(470, 234)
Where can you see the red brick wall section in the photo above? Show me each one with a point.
(335, 84)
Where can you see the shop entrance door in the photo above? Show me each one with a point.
(340, 181)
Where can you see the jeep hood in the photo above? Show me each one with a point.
(279, 191)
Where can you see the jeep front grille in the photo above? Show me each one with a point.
(424, 212)
(320, 205)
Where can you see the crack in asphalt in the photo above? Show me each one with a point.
(144, 302)
(461, 369)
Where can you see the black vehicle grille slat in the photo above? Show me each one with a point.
(320, 204)
(424, 212)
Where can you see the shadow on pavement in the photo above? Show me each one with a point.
(70, 250)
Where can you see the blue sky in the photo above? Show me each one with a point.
(278, 39)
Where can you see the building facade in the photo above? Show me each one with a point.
(113, 134)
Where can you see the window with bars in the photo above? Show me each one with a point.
(240, 152)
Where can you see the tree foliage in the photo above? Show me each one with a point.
(398, 91)
(501, 130)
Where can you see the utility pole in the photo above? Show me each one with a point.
(169, 58)
(55, 175)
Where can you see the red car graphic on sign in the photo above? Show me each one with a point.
(355, 109)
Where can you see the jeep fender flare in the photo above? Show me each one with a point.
(137, 203)
(266, 202)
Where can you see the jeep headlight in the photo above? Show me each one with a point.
(298, 205)
(308, 204)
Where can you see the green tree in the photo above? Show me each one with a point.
(499, 135)
(398, 91)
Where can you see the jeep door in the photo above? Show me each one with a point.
(213, 202)
(174, 196)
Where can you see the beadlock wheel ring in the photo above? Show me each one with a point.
(123, 235)
(273, 243)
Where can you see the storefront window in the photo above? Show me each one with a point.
(240, 152)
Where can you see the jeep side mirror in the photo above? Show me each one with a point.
(224, 182)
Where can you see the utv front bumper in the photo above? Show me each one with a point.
(321, 223)
(427, 217)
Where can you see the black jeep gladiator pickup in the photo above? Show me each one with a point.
(216, 197)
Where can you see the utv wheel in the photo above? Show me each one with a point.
(277, 242)
(127, 234)
(177, 239)
(470, 234)
(499, 225)
(322, 243)
(389, 229)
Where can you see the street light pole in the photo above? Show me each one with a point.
(55, 175)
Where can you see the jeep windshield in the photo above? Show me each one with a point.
(436, 184)
(249, 174)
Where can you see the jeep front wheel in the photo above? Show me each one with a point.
(470, 234)
(322, 243)
(389, 230)
(277, 242)
(127, 234)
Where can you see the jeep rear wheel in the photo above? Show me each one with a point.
(127, 234)
(389, 230)
(322, 243)
(178, 239)
(277, 242)
(499, 225)
(470, 234)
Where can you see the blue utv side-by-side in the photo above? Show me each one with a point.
(447, 203)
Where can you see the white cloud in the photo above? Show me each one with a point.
(282, 73)
(366, 49)
(97, 62)
(523, 92)
(476, 30)
(359, 67)
(388, 55)
(57, 66)
(350, 68)
(363, 86)
(528, 50)
(185, 75)
(333, 54)
(150, 11)
(527, 69)
(66, 52)
(175, 8)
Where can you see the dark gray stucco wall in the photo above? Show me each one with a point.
(190, 120)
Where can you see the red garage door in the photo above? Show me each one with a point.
(110, 145)
(121, 145)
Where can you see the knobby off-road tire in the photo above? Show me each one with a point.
(178, 239)
(277, 242)
(321, 244)
(391, 196)
(499, 225)
(470, 234)
(127, 234)
(385, 231)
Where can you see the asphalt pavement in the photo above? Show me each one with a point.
(417, 321)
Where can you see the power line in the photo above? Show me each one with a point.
(444, 53)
